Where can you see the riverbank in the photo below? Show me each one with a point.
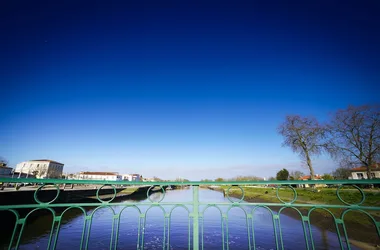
(361, 231)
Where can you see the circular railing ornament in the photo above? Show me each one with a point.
(148, 195)
(347, 203)
(47, 202)
(294, 193)
(228, 194)
(106, 201)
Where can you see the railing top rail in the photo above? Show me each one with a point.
(192, 183)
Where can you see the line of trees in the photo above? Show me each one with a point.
(284, 174)
(351, 137)
(238, 178)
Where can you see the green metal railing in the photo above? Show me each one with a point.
(236, 193)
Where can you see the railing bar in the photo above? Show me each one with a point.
(248, 232)
(164, 234)
(253, 232)
(56, 224)
(51, 233)
(203, 231)
(89, 223)
(186, 203)
(227, 233)
(139, 232)
(275, 231)
(311, 234)
(112, 232)
(346, 236)
(338, 234)
(222, 220)
(57, 233)
(169, 222)
(13, 235)
(83, 231)
(117, 230)
(20, 234)
(280, 231)
(143, 232)
(188, 231)
(168, 235)
(195, 217)
(305, 235)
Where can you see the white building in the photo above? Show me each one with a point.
(361, 172)
(40, 168)
(103, 176)
(131, 177)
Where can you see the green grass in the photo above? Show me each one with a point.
(317, 196)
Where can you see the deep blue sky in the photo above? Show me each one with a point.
(179, 88)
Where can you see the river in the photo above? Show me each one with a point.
(36, 233)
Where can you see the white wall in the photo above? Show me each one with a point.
(127, 177)
(46, 169)
(130, 177)
(100, 177)
(356, 177)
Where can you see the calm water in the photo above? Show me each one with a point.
(36, 233)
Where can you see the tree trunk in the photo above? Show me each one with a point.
(369, 170)
(308, 161)
(369, 173)
(369, 177)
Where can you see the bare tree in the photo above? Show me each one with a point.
(39, 171)
(295, 175)
(3, 161)
(341, 173)
(246, 178)
(304, 136)
(355, 136)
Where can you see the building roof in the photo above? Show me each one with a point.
(99, 173)
(49, 161)
(375, 167)
(307, 177)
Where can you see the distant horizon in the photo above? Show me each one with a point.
(179, 89)
(206, 173)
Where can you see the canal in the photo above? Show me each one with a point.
(36, 233)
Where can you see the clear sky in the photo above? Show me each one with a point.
(178, 88)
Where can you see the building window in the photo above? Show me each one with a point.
(373, 175)
(360, 176)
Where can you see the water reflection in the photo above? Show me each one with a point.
(262, 224)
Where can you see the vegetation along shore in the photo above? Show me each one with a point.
(360, 229)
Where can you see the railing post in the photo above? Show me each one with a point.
(195, 217)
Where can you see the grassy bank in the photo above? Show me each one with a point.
(129, 190)
(314, 196)
(359, 226)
